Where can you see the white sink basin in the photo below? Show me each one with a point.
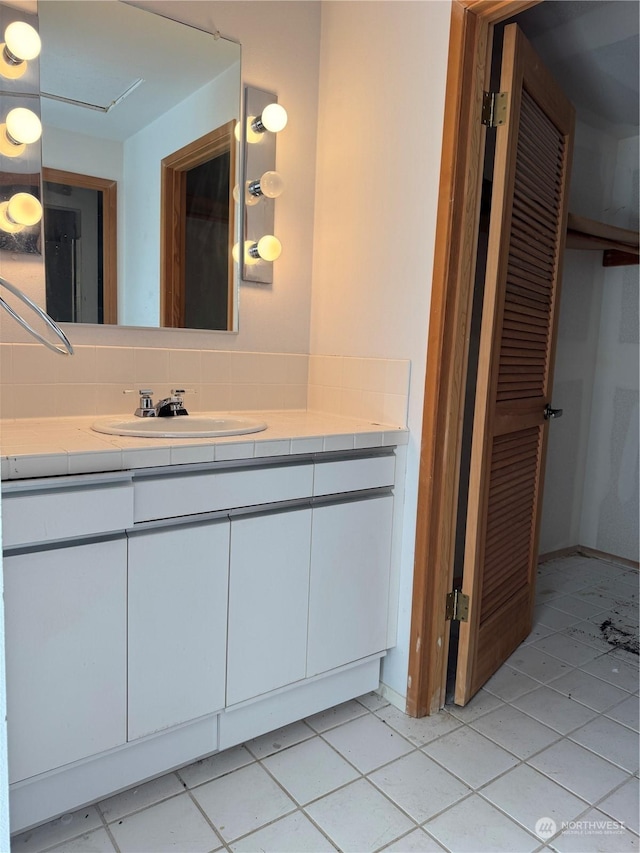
(182, 426)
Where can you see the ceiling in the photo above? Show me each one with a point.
(591, 48)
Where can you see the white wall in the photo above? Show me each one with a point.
(382, 82)
(610, 509)
(591, 486)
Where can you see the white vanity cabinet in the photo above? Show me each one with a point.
(177, 625)
(158, 615)
(268, 602)
(66, 654)
(65, 599)
(349, 582)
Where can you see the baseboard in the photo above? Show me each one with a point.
(584, 551)
(393, 697)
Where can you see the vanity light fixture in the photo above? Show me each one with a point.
(21, 128)
(268, 248)
(262, 185)
(21, 44)
(21, 211)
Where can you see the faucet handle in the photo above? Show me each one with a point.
(145, 406)
(144, 392)
(179, 391)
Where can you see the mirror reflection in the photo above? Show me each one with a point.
(124, 92)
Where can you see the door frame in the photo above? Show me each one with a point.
(469, 66)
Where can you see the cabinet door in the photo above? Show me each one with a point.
(66, 635)
(178, 582)
(349, 592)
(268, 602)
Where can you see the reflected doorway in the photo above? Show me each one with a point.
(80, 247)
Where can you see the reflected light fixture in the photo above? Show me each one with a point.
(270, 185)
(272, 118)
(21, 211)
(268, 248)
(22, 127)
(21, 43)
(248, 259)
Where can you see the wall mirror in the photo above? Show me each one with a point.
(125, 91)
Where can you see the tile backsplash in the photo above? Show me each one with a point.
(36, 383)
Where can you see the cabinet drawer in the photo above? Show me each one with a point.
(350, 475)
(64, 510)
(176, 495)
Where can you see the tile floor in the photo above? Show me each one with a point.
(550, 741)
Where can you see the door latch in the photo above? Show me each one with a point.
(551, 413)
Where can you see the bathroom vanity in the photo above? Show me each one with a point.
(157, 614)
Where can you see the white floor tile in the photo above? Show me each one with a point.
(510, 683)
(515, 731)
(588, 632)
(416, 842)
(279, 739)
(474, 825)
(577, 607)
(358, 818)
(173, 825)
(482, 703)
(291, 834)
(554, 710)
(550, 616)
(216, 765)
(580, 771)
(589, 690)
(368, 743)
(135, 799)
(243, 801)
(611, 740)
(419, 730)
(537, 664)
(595, 833)
(373, 701)
(93, 842)
(527, 796)
(626, 712)
(56, 831)
(624, 804)
(566, 649)
(310, 770)
(333, 717)
(471, 756)
(419, 786)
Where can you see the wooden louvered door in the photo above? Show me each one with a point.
(526, 242)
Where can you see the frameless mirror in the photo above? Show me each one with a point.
(124, 92)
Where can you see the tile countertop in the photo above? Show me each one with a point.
(51, 447)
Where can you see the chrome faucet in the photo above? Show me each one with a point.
(167, 407)
(173, 405)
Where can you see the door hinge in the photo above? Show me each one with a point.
(494, 108)
(457, 608)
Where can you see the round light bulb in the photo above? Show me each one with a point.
(22, 40)
(271, 184)
(24, 209)
(23, 125)
(274, 118)
(269, 248)
(5, 223)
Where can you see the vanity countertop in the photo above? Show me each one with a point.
(51, 447)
